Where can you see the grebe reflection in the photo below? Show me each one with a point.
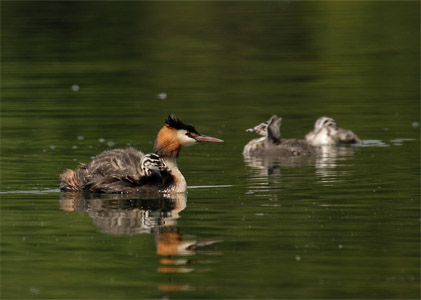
(129, 214)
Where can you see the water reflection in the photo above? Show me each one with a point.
(270, 165)
(328, 159)
(122, 214)
(266, 170)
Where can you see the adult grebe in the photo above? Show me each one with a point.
(271, 143)
(327, 132)
(131, 171)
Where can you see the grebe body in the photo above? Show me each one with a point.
(271, 143)
(132, 171)
(327, 132)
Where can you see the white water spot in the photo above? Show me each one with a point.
(52, 147)
(400, 141)
(34, 290)
(374, 143)
(415, 124)
(80, 137)
(24, 238)
(111, 144)
(298, 258)
(161, 96)
(259, 214)
(101, 140)
(340, 246)
(75, 88)
(74, 147)
(74, 159)
(207, 186)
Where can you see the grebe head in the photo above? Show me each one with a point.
(269, 129)
(176, 134)
(263, 128)
(325, 122)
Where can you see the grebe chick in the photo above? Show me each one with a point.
(327, 132)
(131, 171)
(271, 143)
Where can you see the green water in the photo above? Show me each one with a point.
(78, 78)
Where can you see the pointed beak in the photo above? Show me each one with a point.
(250, 130)
(207, 139)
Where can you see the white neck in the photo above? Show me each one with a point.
(180, 184)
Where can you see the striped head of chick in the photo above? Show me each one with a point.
(153, 164)
(325, 122)
(263, 128)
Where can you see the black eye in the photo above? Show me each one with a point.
(189, 134)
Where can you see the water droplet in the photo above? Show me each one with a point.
(101, 140)
(161, 96)
(111, 144)
(74, 147)
(34, 290)
(340, 246)
(298, 258)
(52, 147)
(415, 124)
(80, 137)
(75, 88)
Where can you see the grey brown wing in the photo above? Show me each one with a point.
(348, 137)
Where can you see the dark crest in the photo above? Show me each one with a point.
(176, 123)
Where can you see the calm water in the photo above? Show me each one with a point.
(82, 77)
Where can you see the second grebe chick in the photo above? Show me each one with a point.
(131, 171)
(271, 143)
(327, 132)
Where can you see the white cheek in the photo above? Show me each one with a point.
(184, 139)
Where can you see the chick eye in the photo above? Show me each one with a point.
(189, 134)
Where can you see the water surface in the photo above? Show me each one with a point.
(82, 77)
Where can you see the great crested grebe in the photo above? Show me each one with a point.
(271, 143)
(131, 171)
(327, 132)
